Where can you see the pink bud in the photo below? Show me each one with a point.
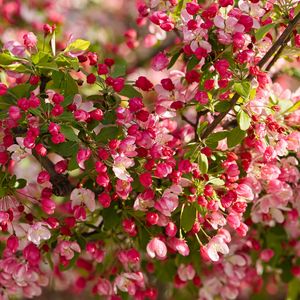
(158, 248)
(48, 206)
(171, 229)
(143, 83)
(3, 89)
(104, 199)
(202, 97)
(12, 243)
(32, 254)
(43, 177)
(159, 62)
(61, 166)
(41, 150)
(30, 40)
(266, 255)
(14, 113)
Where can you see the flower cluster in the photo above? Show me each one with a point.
(120, 184)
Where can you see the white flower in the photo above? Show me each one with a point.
(38, 232)
(85, 196)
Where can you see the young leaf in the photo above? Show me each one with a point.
(78, 45)
(262, 31)
(69, 133)
(188, 217)
(130, 92)
(243, 119)
(235, 136)
(213, 139)
(6, 59)
(203, 163)
(108, 133)
(242, 88)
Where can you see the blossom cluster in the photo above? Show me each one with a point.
(122, 184)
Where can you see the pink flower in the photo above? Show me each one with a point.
(38, 232)
(266, 255)
(84, 196)
(121, 163)
(82, 156)
(30, 40)
(67, 249)
(167, 204)
(179, 245)
(159, 62)
(216, 245)
(245, 191)
(186, 272)
(32, 254)
(129, 282)
(156, 247)
(104, 287)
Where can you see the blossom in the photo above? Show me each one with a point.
(38, 232)
(156, 247)
(120, 166)
(84, 196)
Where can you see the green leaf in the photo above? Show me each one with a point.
(69, 133)
(6, 59)
(119, 69)
(130, 92)
(262, 31)
(78, 45)
(109, 118)
(293, 108)
(243, 89)
(293, 289)
(110, 217)
(213, 139)
(188, 217)
(192, 63)
(222, 106)
(174, 59)
(65, 149)
(22, 90)
(244, 120)
(40, 57)
(201, 128)
(48, 66)
(108, 133)
(71, 87)
(203, 163)
(20, 183)
(216, 181)
(235, 136)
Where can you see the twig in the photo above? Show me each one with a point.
(282, 40)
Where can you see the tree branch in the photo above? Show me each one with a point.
(282, 40)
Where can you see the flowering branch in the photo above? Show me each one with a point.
(281, 42)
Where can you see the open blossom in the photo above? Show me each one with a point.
(19, 151)
(215, 246)
(186, 272)
(120, 166)
(158, 248)
(169, 201)
(129, 282)
(85, 196)
(38, 232)
(67, 249)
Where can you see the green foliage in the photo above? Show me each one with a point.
(243, 120)
(78, 45)
(235, 137)
(188, 217)
(243, 88)
(262, 31)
